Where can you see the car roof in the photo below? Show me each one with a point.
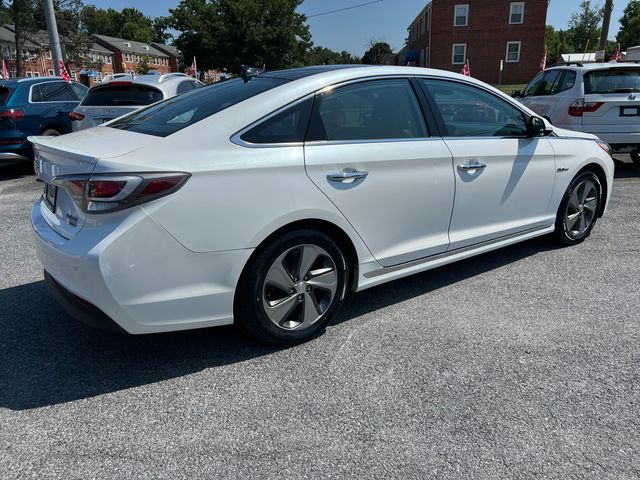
(302, 72)
(164, 82)
(580, 67)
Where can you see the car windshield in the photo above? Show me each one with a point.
(179, 112)
(121, 95)
(615, 80)
(5, 94)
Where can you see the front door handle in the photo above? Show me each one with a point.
(465, 167)
(348, 175)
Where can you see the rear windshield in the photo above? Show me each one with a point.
(615, 80)
(5, 94)
(121, 95)
(179, 112)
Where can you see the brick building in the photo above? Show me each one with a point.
(448, 32)
(176, 62)
(128, 55)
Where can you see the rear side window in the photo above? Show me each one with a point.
(370, 110)
(187, 86)
(179, 112)
(79, 90)
(5, 94)
(121, 95)
(568, 81)
(52, 92)
(288, 126)
(615, 80)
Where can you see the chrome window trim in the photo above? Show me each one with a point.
(51, 101)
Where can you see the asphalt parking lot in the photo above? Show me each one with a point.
(521, 363)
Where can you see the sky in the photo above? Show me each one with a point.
(385, 20)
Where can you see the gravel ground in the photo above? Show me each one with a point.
(521, 363)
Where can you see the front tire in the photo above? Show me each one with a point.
(293, 288)
(579, 209)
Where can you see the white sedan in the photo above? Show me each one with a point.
(267, 200)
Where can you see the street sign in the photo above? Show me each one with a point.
(600, 55)
(501, 65)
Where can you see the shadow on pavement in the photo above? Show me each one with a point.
(46, 358)
(625, 168)
(16, 170)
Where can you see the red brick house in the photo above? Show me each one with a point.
(128, 55)
(448, 32)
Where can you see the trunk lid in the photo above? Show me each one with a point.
(76, 154)
(94, 116)
(617, 91)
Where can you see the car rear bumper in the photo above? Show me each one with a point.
(16, 153)
(137, 275)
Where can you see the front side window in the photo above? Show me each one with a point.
(370, 110)
(176, 113)
(459, 53)
(532, 88)
(468, 111)
(461, 16)
(513, 52)
(548, 83)
(516, 13)
(287, 126)
(614, 80)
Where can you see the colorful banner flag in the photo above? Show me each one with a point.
(63, 72)
(193, 71)
(543, 62)
(617, 55)
(5, 73)
(466, 70)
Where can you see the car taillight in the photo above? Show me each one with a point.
(109, 193)
(577, 108)
(75, 116)
(15, 115)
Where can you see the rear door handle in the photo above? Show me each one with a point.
(348, 175)
(465, 167)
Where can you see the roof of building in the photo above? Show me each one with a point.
(124, 45)
(99, 48)
(7, 35)
(419, 16)
(169, 49)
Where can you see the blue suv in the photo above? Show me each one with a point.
(34, 106)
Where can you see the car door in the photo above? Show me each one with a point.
(504, 177)
(54, 101)
(368, 148)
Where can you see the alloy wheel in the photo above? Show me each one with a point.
(299, 287)
(581, 208)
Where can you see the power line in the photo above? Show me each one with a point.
(343, 9)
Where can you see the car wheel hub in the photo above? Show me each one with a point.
(299, 287)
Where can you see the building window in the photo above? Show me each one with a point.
(513, 52)
(36, 74)
(516, 13)
(458, 53)
(73, 75)
(49, 56)
(127, 56)
(107, 59)
(461, 15)
(51, 72)
(138, 58)
(29, 74)
(99, 76)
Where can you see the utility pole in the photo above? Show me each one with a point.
(608, 6)
(54, 39)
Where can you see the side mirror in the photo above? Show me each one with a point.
(516, 94)
(538, 127)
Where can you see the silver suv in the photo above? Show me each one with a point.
(123, 93)
(599, 98)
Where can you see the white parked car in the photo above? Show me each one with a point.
(267, 201)
(121, 93)
(598, 98)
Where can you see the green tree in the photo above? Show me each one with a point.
(230, 33)
(130, 23)
(376, 53)
(557, 43)
(629, 33)
(584, 26)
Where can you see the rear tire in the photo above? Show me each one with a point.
(579, 209)
(51, 132)
(293, 288)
